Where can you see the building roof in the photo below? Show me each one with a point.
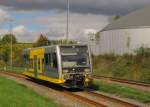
(136, 19)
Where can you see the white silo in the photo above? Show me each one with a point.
(126, 34)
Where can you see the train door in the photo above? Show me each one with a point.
(35, 66)
(40, 65)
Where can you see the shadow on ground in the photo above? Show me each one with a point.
(61, 88)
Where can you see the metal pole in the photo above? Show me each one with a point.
(11, 44)
(11, 50)
(68, 10)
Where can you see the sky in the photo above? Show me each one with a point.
(27, 19)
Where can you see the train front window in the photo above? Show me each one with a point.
(75, 57)
(74, 61)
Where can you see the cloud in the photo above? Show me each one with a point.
(20, 30)
(85, 15)
(4, 16)
(79, 23)
(78, 6)
(90, 31)
(3, 32)
(23, 34)
(55, 26)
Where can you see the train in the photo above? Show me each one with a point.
(66, 65)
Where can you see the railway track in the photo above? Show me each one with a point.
(108, 100)
(123, 103)
(67, 93)
(84, 99)
(79, 97)
(131, 82)
(14, 75)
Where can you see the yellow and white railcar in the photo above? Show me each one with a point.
(67, 65)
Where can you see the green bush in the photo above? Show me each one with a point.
(132, 67)
(143, 52)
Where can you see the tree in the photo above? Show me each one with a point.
(7, 39)
(97, 35)
(5, 53)
(42, 41)
(0, 41)
(116, 17)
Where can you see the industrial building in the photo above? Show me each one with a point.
(126, 34)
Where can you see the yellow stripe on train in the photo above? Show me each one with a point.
(46, 78)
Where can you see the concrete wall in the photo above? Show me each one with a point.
(123, 40)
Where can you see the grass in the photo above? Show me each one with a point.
(12, 69)
(123, 91)
(13, 94)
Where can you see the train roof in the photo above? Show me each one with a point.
(55, 46)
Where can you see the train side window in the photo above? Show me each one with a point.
(39, 64)
(43, 64)
(43, 61)
(31, 63)
(46, 59)
(54, 60)
(26, 58)
(49, 59)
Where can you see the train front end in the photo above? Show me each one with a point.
(76, 66)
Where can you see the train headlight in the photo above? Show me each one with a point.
(65, 71)
(87, 70)
(88, 78)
